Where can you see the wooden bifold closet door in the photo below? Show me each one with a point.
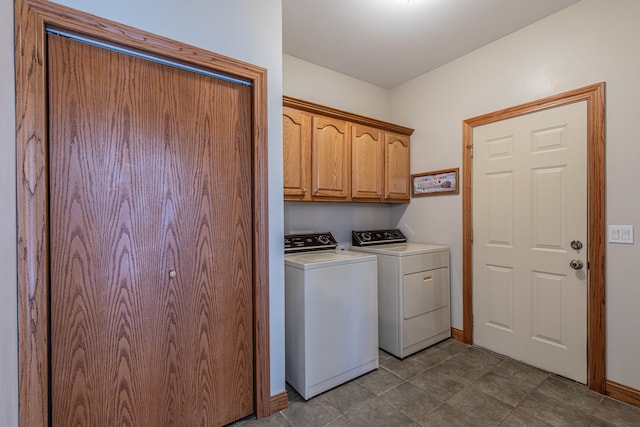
(150, 242)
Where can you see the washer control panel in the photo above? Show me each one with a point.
(376, 237)
(309, 242)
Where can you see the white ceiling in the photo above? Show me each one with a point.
(389, 42)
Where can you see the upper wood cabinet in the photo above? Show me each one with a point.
(296, 128)
(316, 157)
(396, 168)
(330, 159)
(334, 155)
(367, 166)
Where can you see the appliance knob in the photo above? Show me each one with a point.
(366, 236)
(323, 239)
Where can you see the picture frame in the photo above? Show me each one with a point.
(433, 183)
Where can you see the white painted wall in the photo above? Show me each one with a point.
(8, 289)
(249, 30)
(304, 80)
(338, 218)
(589, 42)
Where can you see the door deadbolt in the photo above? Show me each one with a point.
(576, 264)
(576, 244)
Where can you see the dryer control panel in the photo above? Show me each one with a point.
(376, 237)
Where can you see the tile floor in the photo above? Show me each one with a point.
(452, 384)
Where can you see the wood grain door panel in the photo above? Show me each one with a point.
(296, 129)
(396, 167)
(330, 158)
(148, 174)
(367, 163)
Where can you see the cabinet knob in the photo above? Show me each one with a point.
(304, 191)
(172, 273)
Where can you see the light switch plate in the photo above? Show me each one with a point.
(621, 234)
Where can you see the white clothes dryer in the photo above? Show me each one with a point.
(413, 291)
(331, 311)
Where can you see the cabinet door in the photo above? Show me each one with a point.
(330, 159)
(296, 129)
(367, 170)
(396, 168)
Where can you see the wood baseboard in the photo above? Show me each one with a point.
(457, 334)
(279, 402)
(624, 393)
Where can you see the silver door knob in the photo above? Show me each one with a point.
(576, 264)
(576, 244)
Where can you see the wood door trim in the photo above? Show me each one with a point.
(32, 18)
(596, 330)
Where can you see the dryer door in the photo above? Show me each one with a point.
(425, 291)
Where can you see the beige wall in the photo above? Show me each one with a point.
(589, 42)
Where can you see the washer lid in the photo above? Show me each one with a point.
(402, 249)
(329, 258)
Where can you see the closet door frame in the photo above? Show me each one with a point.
(32, 19)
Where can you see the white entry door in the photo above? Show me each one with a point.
(529, 205)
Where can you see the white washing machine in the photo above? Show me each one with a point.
(413, 290)
(331, 312)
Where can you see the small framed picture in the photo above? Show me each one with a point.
(437, 182)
